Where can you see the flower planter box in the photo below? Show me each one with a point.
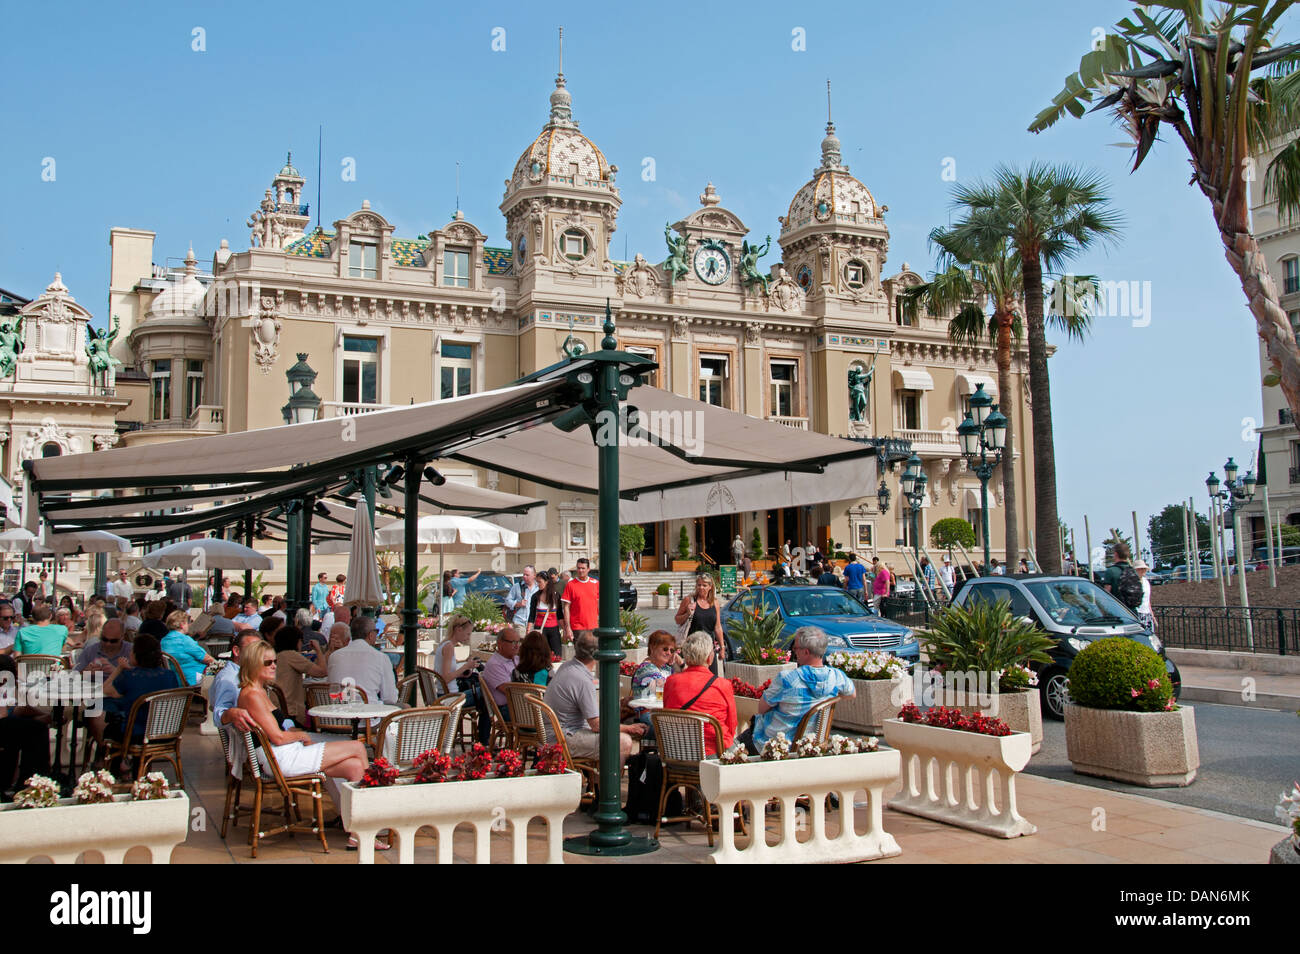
(756, 781)
(637, 655)
(754, 675)
(875, 700)
(972, 772)
(485, 803)
(746, 709)
(1285, 852)
(64, 831)
(1021, 711)
(763, 565)
(685, 566)
(625, 685)
(1154, 749)
(479, 637)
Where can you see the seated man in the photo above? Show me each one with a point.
(42, 636)
(103, 654)
(792, 694)
(572, 694)
(366, 666)
(24, 737)
(249, 620)
(498, 669)
(224, 694)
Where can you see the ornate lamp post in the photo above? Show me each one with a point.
(912, 484)
(984, 430)
(303, 406)
(1235, 492)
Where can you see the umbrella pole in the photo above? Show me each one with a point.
(411, 559)
(611, 836)
(248, 574)
(304, 557)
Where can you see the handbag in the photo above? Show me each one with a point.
(684, 630)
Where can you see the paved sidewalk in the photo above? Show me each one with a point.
(1076, 824)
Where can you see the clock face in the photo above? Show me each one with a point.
(712, 264)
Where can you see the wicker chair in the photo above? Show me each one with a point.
(523, 731)
(232, 747)
(455, 701)
(414, 731)
(500, 734)
(172, 663)
(408, 688)
(817, 721)
(40, 662)
(681, 738)
(546, 724)
(318, 694)
(164, 714)
(432, 686)
(289, 788)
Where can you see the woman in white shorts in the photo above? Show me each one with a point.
(295, 752)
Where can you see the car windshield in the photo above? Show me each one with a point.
(487, 581)
(821, 603)
(1079, 603)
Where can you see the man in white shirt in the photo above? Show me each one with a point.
(367, 668)
(121, 588)
(947, 574)
(339, 614)
(8, 626)
(250, 618)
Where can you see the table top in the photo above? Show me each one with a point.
(649, 703)
(351, 710)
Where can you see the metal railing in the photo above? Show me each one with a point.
(1284, 416)
(1276, 628)
(1295, 475)
(911, 611)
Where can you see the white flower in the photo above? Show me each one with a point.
(776, 748)
(41, 792)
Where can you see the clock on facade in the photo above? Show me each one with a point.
(712, 263)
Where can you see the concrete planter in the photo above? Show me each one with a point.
(685, 566)
(637, 655)
(875, 700)
(754, 675)
(1285, 852)
(660, 602)
(625, 685)
(756, 782)
(485, 803)
(1154, 749)
(64, 831)
(746, 709)
(1021, 711)
(957, 777)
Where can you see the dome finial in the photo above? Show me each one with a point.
(190, 261)
(561, 100)
(828, 102)
(831, 158)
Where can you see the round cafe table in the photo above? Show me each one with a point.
(648, 703)
(356, 711)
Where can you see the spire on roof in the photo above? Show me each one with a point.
(831, 158)
(561, 100)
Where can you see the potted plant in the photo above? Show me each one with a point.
(485, 613)
(747, 697)
(976, 755)
(759, 639)
(881, 683)
(983, 652)
(635, 626)
(1121, 721)
(684, 563)
(757, 555)
(662, 596)
(101, 815)
(1287, 851)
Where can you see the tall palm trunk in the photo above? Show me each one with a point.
(1040, 389)
(1008, 465)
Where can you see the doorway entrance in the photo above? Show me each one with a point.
(718, 537)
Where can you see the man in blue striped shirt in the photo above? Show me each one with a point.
(792, 694)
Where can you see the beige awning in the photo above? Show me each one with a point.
(913, 379)
(973, 499)
(968, 381)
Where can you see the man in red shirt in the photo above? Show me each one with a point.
(581, 601)
(697, 689)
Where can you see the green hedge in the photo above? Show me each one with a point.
(1117, 673)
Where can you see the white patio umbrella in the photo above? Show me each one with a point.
(206, 554)
(442, 529)
(362, 588)
(21, 540)
(85, 541)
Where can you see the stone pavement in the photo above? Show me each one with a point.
(1076, 824)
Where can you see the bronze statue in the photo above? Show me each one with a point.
(859, 382)
(11, 346)
(677, 265)
(749, 256)
(97, 345)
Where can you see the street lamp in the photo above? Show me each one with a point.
(912, 484)
(303, 403)
(1234, 493)
(984, 430)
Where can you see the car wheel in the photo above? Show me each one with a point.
(1051, 687)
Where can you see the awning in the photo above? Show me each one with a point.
(968, 381)
(973, 499)
(913, 379)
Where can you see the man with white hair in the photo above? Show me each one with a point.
(792, 694)
(363, 664)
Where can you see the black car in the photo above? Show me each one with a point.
(626, 592)
(1072, 610)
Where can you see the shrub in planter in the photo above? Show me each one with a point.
(635, 626)
(758, 637)
(683, 544)
(756, 551)
(984, 637)
(1120, 673)
(664, 589)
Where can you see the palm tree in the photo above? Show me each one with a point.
(1197, 76)
(1049, 215)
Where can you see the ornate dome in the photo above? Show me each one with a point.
(288, 169)
(559, 147)
(183, 297)
(831, 192)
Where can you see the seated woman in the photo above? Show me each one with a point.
(294, 751)
(147, 672)
(24, 737)
(180, 646)
(534, 660)
(462, 678)
(291, 667)
(661, 662)
(699, 690)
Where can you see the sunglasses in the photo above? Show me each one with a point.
(4, 619)
(111, 642)
(268, 662)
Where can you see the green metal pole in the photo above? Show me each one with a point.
(291, 549)
(304, 556)
(248, 574)
(411, 563)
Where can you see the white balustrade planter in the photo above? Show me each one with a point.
(746, 709)
(479, 637)
(1021, 711)
(406, 807)
(754, 675)
(874, 701)
(756, 781)
(1155, 749)
(637, 655)
(972, 786)
(63, 831)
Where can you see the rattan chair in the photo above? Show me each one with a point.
(518, 719)
(681, 738)
(432, 685)
(172, 663)
(232, 747)
(547, 726)
(278, 701)
(500, 736)
(817, 721)
(290, 788)
(163, 714)
(408, 688)
(414, 731)
(318, 694)
(455, 701)
(40, 662)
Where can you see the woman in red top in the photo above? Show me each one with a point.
(691, 689)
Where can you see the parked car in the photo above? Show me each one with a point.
(1288, 556)
(627, 596)
(849, 624)
(495, 586)
(1179, 573)
(1073, 611)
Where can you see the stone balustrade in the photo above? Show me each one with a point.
(63, 832)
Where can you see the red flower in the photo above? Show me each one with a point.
(380, 772)
(509, 764)
(551, 761)
(432, 766)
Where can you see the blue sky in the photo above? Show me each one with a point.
(146, 132)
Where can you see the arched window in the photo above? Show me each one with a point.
(51, 449)
(1291, 275)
